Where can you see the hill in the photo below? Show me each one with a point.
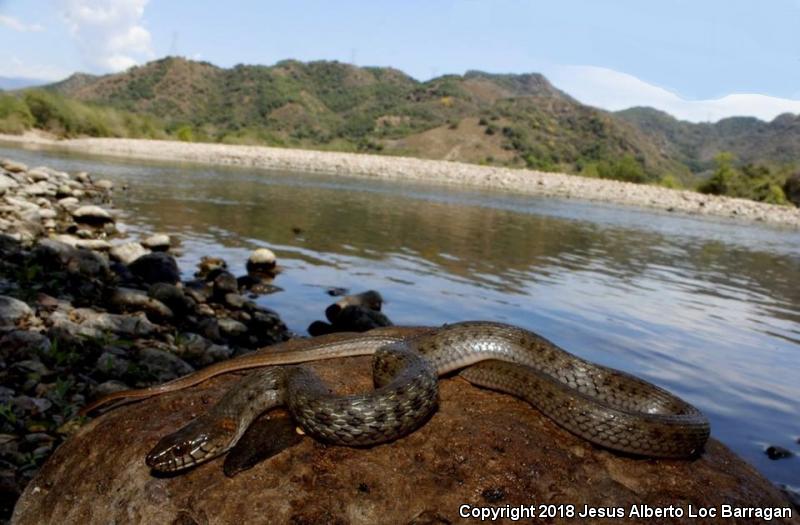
(511, 120)
(519, 120)
(750, 140)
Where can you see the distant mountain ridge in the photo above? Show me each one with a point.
(11, 83)
(751, 140)
(512, 119)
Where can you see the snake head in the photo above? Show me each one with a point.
(193, 444)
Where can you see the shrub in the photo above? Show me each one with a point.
(15, 117)
(670, 181)
(185, 134)
(725, 180)
(626, 169)
(791, 188)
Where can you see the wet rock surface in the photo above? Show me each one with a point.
(480, 448)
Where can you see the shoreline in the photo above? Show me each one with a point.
(521, 181)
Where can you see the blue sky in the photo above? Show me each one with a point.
(700, 60)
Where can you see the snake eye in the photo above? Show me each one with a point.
(181, 450)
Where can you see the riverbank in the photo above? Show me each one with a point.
(419, 170)
(85, 309)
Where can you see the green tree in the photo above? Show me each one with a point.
(627, 168)
(185, 133)
(15, 117)
(725, 180)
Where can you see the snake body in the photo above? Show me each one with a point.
(605, 406)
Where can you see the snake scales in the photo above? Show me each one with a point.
(605, 406)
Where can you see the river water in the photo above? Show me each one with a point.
(709, 309)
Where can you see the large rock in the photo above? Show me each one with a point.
(157, 267)
(480, 448)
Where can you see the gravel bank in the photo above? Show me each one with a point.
(445, 172)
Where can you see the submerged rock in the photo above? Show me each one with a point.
(776, 452)
(480, 448)
(208, 265)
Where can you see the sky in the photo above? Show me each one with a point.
(697, 60)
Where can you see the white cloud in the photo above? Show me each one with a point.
(109, 33)
(613, 90)
(15, 24)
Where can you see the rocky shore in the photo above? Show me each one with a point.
(85, 310)
(433, 171)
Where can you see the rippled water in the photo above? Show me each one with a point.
(708, 309)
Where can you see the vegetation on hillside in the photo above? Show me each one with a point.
(751, 181)
(70, 118)
(509, 120)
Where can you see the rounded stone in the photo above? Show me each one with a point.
(38, 174)
(13, 166)
(128, 252)
(158, 242)
(225, 283)
(157, 267)
(92, 214)
(12, 311)
(261, 260)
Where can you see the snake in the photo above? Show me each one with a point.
(607, 407)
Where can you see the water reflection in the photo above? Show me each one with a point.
(710, 310)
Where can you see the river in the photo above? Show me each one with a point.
(707, 308)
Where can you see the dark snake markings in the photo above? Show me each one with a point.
(607, 407)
